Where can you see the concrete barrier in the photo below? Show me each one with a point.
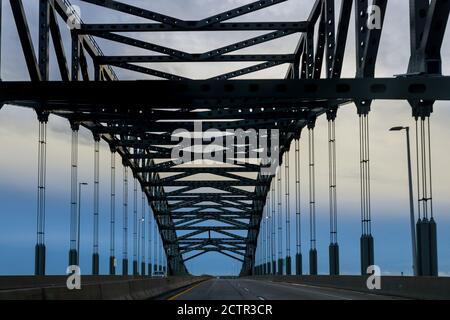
(92, 287)
(435, 288)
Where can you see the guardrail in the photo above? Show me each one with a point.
(436, 288)
(92, 287)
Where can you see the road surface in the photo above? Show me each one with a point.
(244, 289)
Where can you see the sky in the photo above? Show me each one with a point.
(390, 206)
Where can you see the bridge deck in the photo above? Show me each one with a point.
(245, 289)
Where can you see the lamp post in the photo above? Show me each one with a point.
(79, 219)
(411, 198)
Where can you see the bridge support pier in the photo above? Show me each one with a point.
(112, 265)
(73, 257)
(367, 252)
(125, 267)
(149, 269)
(95, 264)
(334, 259)
(280, 267)
(39, 260)
(288, 266)
(427, 247)
(313, 262)
(298, 264)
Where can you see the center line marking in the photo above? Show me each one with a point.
(186, 291)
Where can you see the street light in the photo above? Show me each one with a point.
(411, 198)
(79, 219)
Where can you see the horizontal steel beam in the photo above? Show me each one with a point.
(196, 170)
(206, 228)
(298, 26)
(195, 58)
(190, 195)
(210, 216)
(204, 197)
(210, 184)
(77, 96)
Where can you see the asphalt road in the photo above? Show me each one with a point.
(237, 289)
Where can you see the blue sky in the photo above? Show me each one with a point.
(18, 159)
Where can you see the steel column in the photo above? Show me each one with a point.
(280, 223)
(288, 214)
(156, 247)
(125, 222)
(298, 229)
(142, 225)
(312, 202)
(95, 251)
(426, 225)
(150, 248)
(112, 239)
(367, 243)
(73, 252)
(273, 223)
(40, 249)
(334, 247)
(135, 230)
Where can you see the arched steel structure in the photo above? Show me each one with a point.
(137, 118)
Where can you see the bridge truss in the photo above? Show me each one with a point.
(222, 212)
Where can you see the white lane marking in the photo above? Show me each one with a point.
(246, 289)
(336, 289)
(313, 292)
(332, 296)
(261, 298)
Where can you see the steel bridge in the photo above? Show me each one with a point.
(152, 125)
